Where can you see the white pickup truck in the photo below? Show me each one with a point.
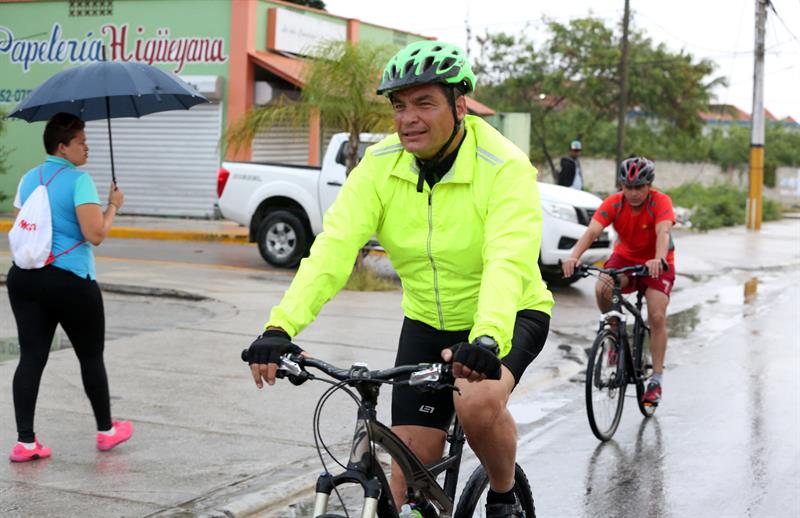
(283, 207)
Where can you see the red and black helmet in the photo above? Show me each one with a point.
(636, 171)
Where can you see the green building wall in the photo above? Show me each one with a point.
(28, 56)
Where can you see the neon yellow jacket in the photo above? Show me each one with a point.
(466, 251)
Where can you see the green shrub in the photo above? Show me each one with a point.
(718, 205)
(364, 278)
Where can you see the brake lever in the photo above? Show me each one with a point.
(293, 371)
(290, 366)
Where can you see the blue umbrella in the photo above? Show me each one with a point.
(108, 90)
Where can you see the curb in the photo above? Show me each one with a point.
(253, 496)
(241, 238)
(179, 235)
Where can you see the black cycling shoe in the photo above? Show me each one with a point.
(504, 511)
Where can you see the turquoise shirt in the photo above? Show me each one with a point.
(72, 187)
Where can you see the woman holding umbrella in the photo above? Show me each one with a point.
(65, 291)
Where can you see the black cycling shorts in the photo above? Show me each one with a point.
(421, 343)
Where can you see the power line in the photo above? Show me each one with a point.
(771, 5)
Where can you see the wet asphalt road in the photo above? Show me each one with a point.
(725, 441)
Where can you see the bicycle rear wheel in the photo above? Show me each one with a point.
(605, 390)
(473, 498)
(643, 367)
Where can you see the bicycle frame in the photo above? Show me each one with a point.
(618, 302)
(364, 469)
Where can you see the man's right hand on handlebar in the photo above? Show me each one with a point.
(569, 265)
(265, 353)
(475, 361)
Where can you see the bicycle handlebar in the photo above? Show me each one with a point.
(639, 269)
(294, 365)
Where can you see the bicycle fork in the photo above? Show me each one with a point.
(358, 468)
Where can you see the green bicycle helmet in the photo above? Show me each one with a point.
(424, 62)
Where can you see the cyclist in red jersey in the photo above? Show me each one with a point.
(643, 218)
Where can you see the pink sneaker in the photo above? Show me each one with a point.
(123, 431)
(21, 454)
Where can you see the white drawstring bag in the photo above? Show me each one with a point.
(31, 237)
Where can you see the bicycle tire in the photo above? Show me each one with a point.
(478, 484)
(641, 360)
(605, 397)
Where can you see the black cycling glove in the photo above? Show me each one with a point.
(480, 356)
(270, 346)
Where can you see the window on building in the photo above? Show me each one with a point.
(91, 7)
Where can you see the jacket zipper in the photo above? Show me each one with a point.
(433, 264)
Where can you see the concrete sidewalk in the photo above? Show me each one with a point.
(207, 443)
(167, 228)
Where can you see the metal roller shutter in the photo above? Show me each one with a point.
(282, 144)
(165, 162)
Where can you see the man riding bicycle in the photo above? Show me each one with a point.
(643, 218)
(456, 207)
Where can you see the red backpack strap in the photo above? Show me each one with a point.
(52, 257)
(41, 180)
(68, 250)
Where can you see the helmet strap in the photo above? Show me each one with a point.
(451, 97)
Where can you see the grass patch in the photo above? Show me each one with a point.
(364, 278)
(718, 205)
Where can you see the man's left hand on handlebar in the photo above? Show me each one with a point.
(656, 267)
(265, 353)
(475, 361)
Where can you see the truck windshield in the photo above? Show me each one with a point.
(341, 156)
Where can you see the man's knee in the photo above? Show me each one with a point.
(657, 309)
(657, 319)
(602, 291)
(481, 404)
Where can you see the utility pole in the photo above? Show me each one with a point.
(623, 89)
(468, 30)
(754, 196)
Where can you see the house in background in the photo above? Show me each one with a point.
(724, 116)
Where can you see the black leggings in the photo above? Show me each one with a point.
(41, 299)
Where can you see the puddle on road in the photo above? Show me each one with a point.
(9, 347)
(530, 411)
(682, 323)
(126, 316)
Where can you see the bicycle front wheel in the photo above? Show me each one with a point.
(605, 390)
(643, 363)
(473, 498)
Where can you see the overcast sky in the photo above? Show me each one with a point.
(720, 30)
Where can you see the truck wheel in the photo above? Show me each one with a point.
(282, 239)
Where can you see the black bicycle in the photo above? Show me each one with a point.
(425, 495)
(617, 359)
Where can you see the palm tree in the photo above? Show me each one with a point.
(340, 84)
